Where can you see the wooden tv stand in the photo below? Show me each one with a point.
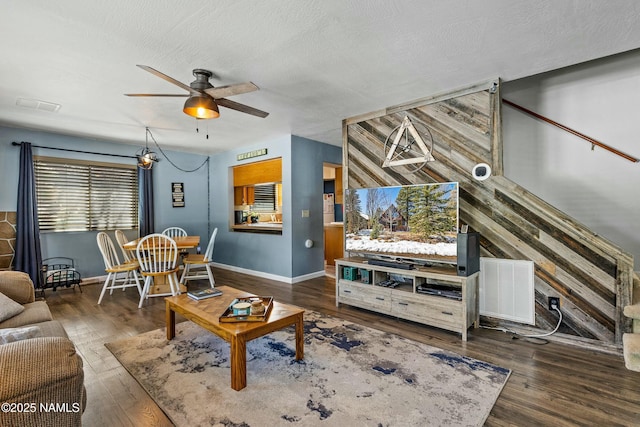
(405, 301)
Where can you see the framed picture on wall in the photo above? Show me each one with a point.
(177, 194)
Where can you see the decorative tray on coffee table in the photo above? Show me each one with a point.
(229, 316)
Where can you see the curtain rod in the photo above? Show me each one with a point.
(15, 144)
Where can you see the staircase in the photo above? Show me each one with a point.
(631, 341)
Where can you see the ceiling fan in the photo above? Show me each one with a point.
(203, 99)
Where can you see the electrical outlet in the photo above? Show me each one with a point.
(554, 302)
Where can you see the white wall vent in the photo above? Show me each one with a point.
(507, 290)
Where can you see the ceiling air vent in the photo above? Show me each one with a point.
(38, 105)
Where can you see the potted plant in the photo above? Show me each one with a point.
(253, 217)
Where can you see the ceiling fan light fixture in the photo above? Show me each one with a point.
(201, 107)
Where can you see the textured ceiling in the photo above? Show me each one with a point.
(316, 62)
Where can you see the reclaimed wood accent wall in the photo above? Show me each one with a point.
(592, 276)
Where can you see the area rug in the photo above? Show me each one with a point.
(351, 375)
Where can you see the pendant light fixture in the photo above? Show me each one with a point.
(146, 157)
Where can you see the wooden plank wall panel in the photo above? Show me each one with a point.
(592, 276)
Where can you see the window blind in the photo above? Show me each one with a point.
(264, 198)
(74, 195)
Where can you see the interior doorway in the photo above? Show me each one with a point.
(332, 214)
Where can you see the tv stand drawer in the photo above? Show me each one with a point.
(379, 299)
(435, 311)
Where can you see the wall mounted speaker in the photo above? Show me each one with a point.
(481, 171)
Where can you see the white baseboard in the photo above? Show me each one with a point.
(93, 280)
(289, 280)
(308, 276)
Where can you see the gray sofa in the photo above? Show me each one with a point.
(42, 378)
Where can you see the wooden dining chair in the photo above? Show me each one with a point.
(174, 232)
(114, 268)
(198, 261)
(122, 239)
(158, 257)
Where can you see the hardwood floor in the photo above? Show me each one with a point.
(552, 384)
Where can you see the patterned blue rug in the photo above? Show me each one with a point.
(351, 375)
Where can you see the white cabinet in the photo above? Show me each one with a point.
(360, 284)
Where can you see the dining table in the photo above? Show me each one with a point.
(182, 242)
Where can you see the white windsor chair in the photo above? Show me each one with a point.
(114, 268)
(157, 256)
(198, 261)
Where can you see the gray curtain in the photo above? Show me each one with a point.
(28, 255)
(145, 204)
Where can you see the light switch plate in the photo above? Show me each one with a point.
(305, 213)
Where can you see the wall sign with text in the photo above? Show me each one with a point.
(177, 194)
(250, 154)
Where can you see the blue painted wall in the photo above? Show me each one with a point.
(277, 255)
(81, 246)
(252, 251)
(307, 157)
(302, 188)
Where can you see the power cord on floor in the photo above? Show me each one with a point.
(548, 333)
(519, 335)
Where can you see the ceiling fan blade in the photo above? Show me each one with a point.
(156, 94)
(241, 107)
(229, 90)
(167, 78)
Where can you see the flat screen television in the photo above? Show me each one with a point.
(410, 223)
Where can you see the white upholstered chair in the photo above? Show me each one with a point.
(157, 256)
(174, 232)
(198, 266)
(114, 269)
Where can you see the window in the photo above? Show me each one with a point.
(75, 195)
(264, 198)
(257, 197)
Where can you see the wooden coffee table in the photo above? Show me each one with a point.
(207, 312)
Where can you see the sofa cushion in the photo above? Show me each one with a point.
(631, 351)
(17, 286)
(8, 335)
(34, 312)
(632, 311)
(52, 328)
(9, 308)
(42, 369)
